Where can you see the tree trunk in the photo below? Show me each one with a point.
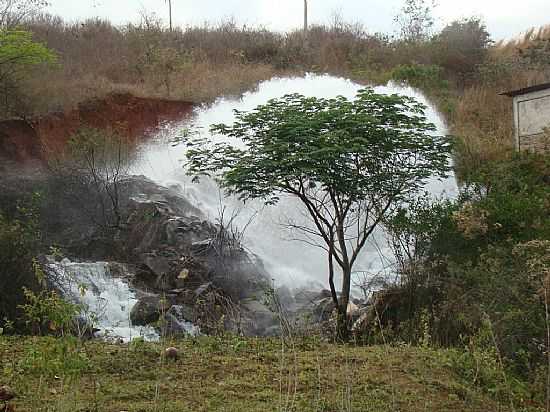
(342, 321)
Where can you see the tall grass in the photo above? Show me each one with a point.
(483, 119)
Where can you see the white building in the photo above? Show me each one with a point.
(532, 117)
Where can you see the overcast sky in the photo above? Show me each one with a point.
(504, 18)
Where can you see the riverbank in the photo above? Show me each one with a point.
(235, 374)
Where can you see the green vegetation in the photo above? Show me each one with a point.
(474, 272)
(235, 374)
(19, 54)
(348, 162)
(19, 245)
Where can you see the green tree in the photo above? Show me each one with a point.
(348, 162)
(19, 244)
(18, 54)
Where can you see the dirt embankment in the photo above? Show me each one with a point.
(130, 116)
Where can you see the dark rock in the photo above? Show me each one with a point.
(148, 310)
(201, 290)
(323, 309)
(121, 270)
(306, 297)
(179, 320)
(6, 393)
(258, 320)
(159, 265)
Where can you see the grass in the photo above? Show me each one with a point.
(232, 374)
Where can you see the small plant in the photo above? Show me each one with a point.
(46, 312)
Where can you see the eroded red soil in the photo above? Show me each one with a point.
(132, 117)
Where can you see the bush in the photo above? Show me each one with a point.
(421, 76)
(47, 312)
(462, 46)
(18, 55)
(482, 258)
(19, 244)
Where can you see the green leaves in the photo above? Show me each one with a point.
(374, 144)
(18, 55)
(17, 49)
(348, 162)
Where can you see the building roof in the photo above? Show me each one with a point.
(525, 90)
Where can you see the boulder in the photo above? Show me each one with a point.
(203, 289)
(258, 320)
(6, 393)
(179, 321)
(148, 310)
(159, 265)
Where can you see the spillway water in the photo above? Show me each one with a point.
(106, 300)
(290, 262)
(109, 299)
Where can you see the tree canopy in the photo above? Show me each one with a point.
(18, 50)
(348, 161)
(18, 54)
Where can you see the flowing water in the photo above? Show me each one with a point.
(106, 300)
(289, 261)
(109, 299)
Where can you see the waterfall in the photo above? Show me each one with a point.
(290, 263)
(105, 300)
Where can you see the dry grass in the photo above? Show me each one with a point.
(483, 118)
(202, 63)
(200, 82)
(195, 63)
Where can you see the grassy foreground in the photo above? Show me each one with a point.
(232, 374)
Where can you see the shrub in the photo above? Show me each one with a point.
(421, 76)
(18, 55)
(481, 258)
(462, 45)
(47, 312)
(19, 244)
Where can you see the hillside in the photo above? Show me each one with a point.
(457, 320)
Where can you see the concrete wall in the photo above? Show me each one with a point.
(532, 118)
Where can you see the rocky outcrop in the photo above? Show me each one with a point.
(180, 321)
(189, 267)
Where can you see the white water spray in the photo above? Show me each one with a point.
(106, 300)
(290, 262)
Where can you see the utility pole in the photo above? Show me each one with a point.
(170, 12)
(305, 19)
